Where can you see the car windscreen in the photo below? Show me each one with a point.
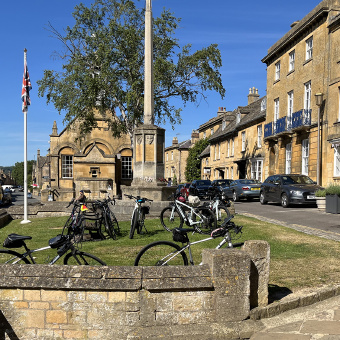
(296, 180)
(203, 182)
(249, 181)
(223, 183)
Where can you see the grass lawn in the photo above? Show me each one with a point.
(297, 260)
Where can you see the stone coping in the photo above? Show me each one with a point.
(303, 298)
(103, 278)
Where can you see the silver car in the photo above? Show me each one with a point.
(243, 188)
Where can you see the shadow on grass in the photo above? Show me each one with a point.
(276, 293)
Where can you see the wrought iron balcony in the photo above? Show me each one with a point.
(280, 125)
(301, 119)
(268, 130)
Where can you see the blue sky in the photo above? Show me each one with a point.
(243, 31)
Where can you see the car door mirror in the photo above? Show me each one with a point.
(277, 183)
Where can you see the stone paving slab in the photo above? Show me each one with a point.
(319, 321)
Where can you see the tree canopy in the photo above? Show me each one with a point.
(103, 68)
(193, 169)
(18, 172)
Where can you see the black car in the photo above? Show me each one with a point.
(217, 186)
(199, 188)
(288, 189)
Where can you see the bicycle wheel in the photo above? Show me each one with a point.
(114, 222)
(208, 221)
(80, 258)
(171, 219)
(140, 223)
(11, 257)
(109, 227)
(134, 223)
(159, 253)
(222, 213)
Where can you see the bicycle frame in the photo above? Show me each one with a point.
(188, 218)
(226, 239)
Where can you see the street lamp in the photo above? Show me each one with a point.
(319, 100)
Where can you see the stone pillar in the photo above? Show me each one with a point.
(259, 252)
(230, 269)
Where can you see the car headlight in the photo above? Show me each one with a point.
(296, 192)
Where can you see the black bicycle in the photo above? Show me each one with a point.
(66, 245)
(138, 214)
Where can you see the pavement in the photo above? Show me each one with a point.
(310, 314)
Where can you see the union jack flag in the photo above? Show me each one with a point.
(26, 87)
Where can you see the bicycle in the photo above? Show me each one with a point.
(138, 214)
(219, 204)
(104, 216)
(173, 216)
(65, 245)
(164, 253)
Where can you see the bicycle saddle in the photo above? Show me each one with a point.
(16, 237)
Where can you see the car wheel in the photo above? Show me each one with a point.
(262, 199)
(235, 197)
(284, 200)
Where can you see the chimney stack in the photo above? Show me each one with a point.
(253, 95)
(194, 136)
(174, 141)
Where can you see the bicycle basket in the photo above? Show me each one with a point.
(145, 210)
(177, 236)
(57, 242)
(11, 242)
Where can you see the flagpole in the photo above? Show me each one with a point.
(25, 220)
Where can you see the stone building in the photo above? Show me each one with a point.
(236, 147)
(97, 163)
(176, 157)
(303, 90)
(40, 173)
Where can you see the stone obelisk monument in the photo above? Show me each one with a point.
(148, 139)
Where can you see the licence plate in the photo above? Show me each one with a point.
(255, 188)
(311, 197)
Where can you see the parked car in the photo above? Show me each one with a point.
(178, 189)
(199, 188)
(243, 188)
(5, 196)
(29, 195)
(185, 190)
(217, 185)
(289, 189)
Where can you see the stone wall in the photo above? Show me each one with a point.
(211, 301)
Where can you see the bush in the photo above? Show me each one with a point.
(320, 193)
(333, 189)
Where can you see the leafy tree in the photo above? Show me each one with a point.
(104, 68)
(193, 169)
(18, 173)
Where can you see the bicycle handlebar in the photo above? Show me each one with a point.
(138, 198)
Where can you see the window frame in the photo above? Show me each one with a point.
(288, 163)
(277, 70)
(307, 96)
(243, 139)
(336, 172)
(66, 166)
(290, 108)
(305, 157)
(259, 136)
(126, 162)
(309, 48)
(291, 61)
(276, 109)
(257, 169)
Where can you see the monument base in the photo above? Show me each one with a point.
(151, 190)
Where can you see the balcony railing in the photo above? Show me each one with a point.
(268, 130)
(301, 118)
(287, 123)
(280, 125)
